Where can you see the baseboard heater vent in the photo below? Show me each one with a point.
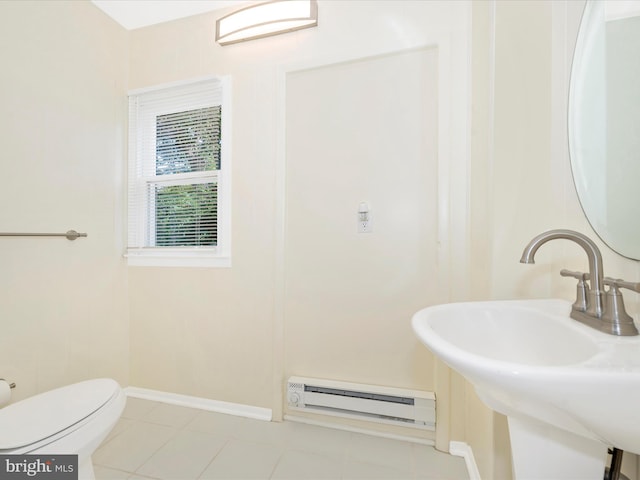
(364, 402)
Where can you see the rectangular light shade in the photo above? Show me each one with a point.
(265, 19)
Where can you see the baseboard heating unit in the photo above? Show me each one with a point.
(391, 405)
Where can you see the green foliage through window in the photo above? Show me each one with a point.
(186, 213)
(188, 141)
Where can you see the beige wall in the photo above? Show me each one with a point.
(62, 304)
(221, 333)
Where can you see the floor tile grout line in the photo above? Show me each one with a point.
(110, 438)
(228, 440)
(142, 421)
(275, 466)
(154, 452)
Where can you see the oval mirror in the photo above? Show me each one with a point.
(604, 122)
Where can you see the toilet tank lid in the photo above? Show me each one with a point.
(36, 418)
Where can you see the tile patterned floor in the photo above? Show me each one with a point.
(167, 442)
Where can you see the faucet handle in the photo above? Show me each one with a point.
(616, 283)
(577, 275)
(580, 305)
(615, 314)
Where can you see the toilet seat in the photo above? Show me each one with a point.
(43, 418)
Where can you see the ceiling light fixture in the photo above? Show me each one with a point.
(265, 19)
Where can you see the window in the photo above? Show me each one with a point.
(179, 175)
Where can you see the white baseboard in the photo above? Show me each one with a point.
(462, 449)
(237, 409)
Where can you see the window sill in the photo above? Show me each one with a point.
(192, 257)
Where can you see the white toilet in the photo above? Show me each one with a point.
(70, 420)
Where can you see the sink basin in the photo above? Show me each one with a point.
(523, 333)
(528, 360)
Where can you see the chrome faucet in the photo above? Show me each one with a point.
(593, 306)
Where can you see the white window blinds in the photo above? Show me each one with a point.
(176, 165)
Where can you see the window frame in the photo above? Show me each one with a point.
(138, 214)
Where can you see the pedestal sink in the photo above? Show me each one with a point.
(568, 390)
